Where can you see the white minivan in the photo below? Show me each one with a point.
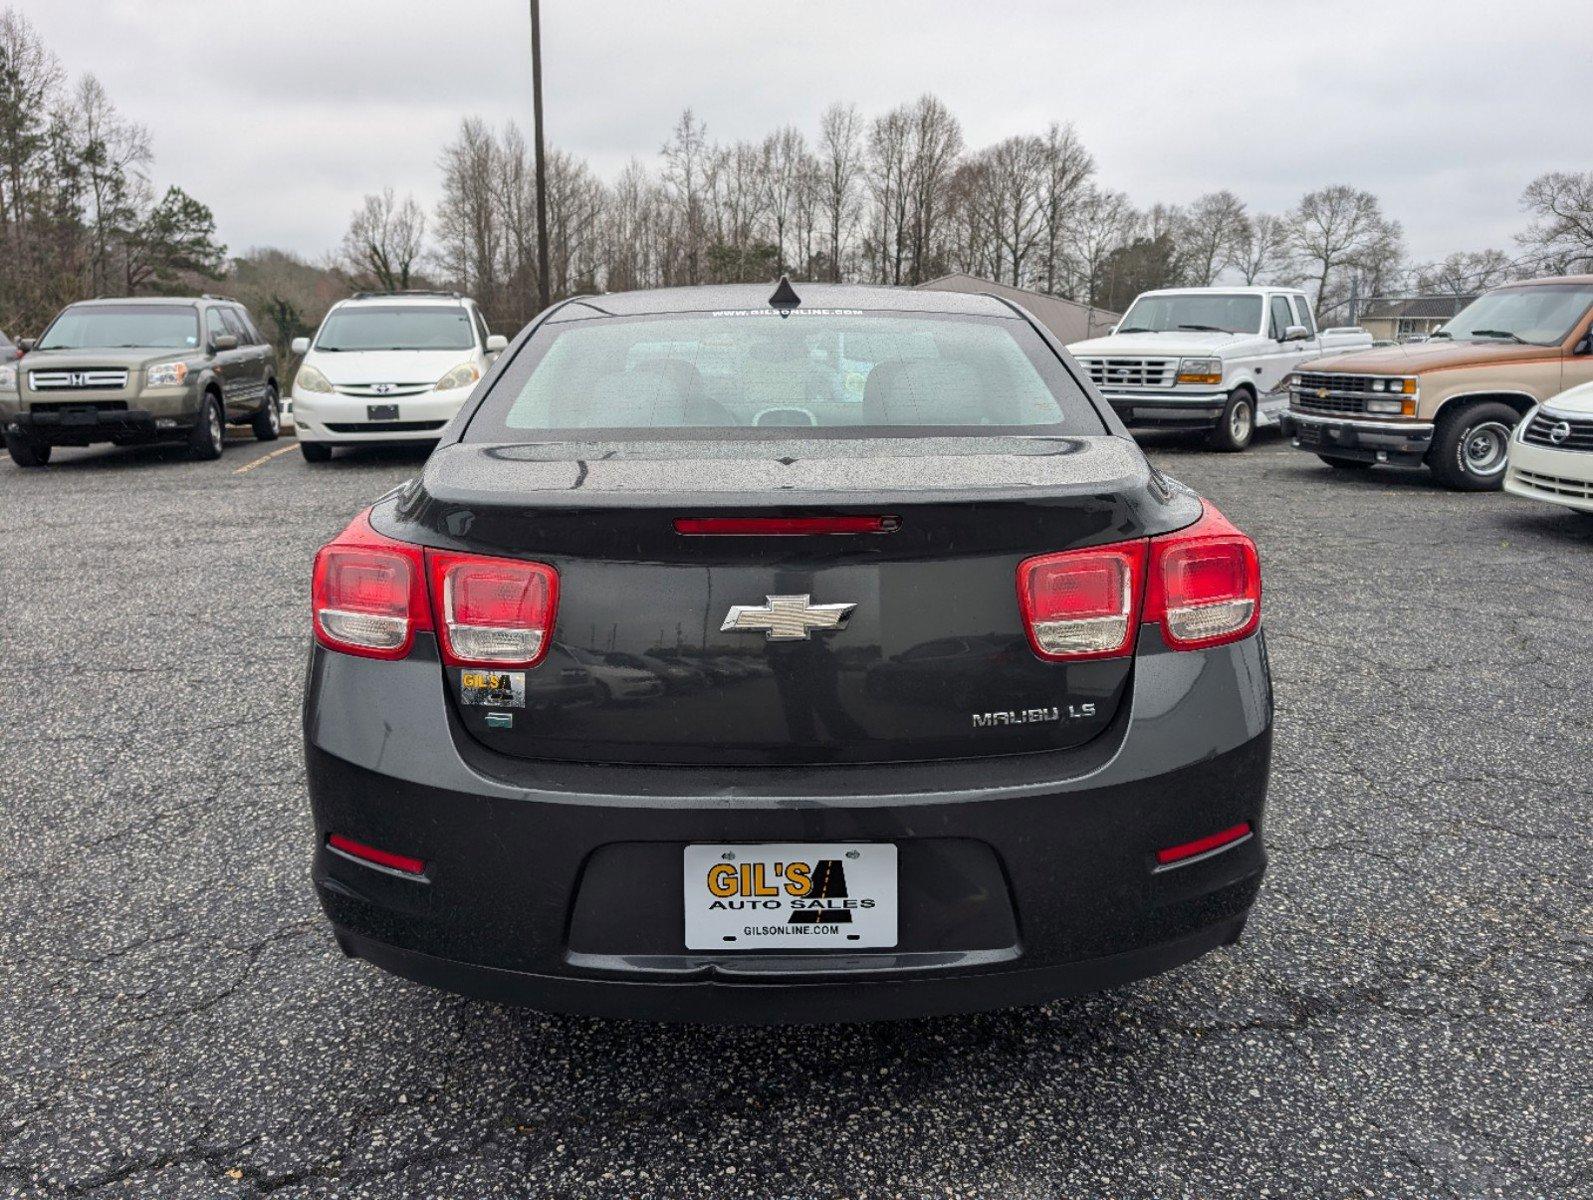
(388, 367)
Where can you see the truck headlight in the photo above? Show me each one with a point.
(311, 380)
(172, 374)
(463, 375)
(1200, 370)
(8, 379)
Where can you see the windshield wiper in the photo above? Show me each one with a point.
(1205, 329)
(1440, 333)
(1499, 333)
(1140, 329)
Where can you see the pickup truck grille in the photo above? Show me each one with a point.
(1344, 393)
(1109, 373)
(1576, 435)
(91, 380)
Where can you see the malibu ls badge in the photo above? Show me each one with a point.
(786, 618)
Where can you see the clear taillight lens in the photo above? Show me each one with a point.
(368, 593)
(493, 611)
(1205, 584)
(1082, 603)
(1201, 584)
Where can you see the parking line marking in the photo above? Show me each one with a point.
(263, 459)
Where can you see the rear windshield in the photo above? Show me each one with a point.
(829, 373)
(123, 326)
(397, 327)
(1197, 312)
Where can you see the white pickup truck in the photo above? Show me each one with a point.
(1216, 358)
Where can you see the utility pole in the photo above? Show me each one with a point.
(544, 293)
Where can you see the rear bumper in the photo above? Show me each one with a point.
(1168, 410)
(1405, 442)
(560, 885)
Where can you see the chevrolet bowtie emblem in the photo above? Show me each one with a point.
(787, 618)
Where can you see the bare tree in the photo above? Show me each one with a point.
(1066, 174)
(840, 163)
(469, 218)
(385, 239)
(1341, 229)
(1103, 222)
(1209, 236)
(888, 152)
(1560, 237)
(782, 163)
(1464, 272)
(1261, 248)
(935, 145)
(686, 167)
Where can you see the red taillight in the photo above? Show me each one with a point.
(493, 611)
(1082, 604)
(1205, 584)
(370, 854)
(1185, 851)
(368, 595)
(783, 526)
(1201, 584)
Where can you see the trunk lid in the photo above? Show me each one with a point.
(931, 662)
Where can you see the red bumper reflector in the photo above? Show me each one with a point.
(783, 526)
(370, 854)
(1205, 845)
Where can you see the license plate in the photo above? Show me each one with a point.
(381, 412)
(790, 897)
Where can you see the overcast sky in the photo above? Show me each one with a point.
(280, 114)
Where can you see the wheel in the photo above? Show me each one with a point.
(267, 423)
(208, 437)
(1347, 464)
(1471, 445)
(1237, 425)
(605, 697)
(26, 452)
(315, 452)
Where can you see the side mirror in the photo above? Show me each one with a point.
(224, 341)
(497, 344)
(1585, 346)
(26, 344)
(1296, 333)
(300, 346)
(1111, 331)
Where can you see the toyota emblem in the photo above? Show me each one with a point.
(1560, 432)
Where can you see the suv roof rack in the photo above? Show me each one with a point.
(406, 292)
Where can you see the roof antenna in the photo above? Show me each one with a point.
(785, 297)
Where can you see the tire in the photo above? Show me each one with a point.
(208, 437)
(267, 423)
(26, 452)
(315, 452)
(1471, 445)
(605, 697)
(1236, 428)
(1347, 464)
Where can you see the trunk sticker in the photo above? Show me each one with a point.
(494, 689)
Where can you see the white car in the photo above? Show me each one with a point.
(1551, 452)
(388, 367)
(1216, 358)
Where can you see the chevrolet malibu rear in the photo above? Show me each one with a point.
(980, 710)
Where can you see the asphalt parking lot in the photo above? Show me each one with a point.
(1410, 1013)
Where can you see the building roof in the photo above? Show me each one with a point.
(1395, 308)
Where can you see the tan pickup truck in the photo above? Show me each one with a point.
(1450, 402)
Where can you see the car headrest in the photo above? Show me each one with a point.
(642, 399)
(925, 392)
